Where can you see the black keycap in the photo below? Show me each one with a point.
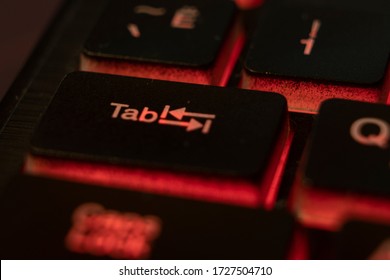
(320, 42)
(360, 240)
(350, 148)
(158, 124)
(345, 171)
(70, 221)
(178, 32)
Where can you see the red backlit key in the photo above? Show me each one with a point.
(312, 53)
(359, 240)
(346, 171)
(203, 142)
(354, 240)
(187, 41)
(71, 221)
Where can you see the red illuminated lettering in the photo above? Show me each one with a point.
(102, 232)
(148, 116)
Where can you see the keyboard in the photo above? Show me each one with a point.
(201, 130)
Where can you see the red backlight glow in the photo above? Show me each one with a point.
(227, 190)
(305, 96)
(329, 210)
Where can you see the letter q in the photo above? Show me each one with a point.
(380, 139)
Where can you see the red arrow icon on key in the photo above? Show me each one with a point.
(191, 125)
(181, 112)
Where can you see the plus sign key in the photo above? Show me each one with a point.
(219, 144)
(346, 172)
(177, 40)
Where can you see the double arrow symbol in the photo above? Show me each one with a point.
(193, 124)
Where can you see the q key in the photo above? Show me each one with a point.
(346, 170)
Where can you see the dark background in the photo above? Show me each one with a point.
(22, 23)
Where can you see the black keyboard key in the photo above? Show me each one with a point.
(321, 44)
(160, 126)
(356, 136)
(189, 41)
(359, 240)
(312, 53)
(354, 240)
(70, 221)
(347, 165)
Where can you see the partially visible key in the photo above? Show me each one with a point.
(359, 240)
(71, 221)
(187, 41)
(354, 240)
(346, 170)
(316, 51)
(219, 144)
